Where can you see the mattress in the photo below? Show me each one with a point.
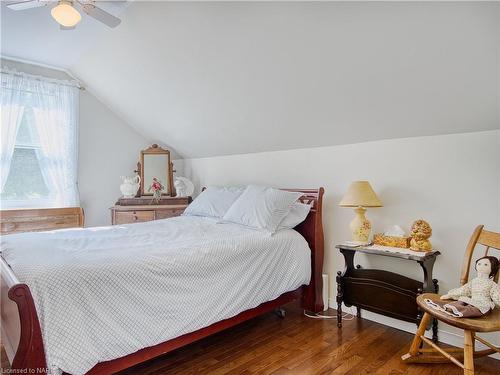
(102, 293)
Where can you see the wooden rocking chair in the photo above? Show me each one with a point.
(488, 323)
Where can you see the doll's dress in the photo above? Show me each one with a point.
(457, 309)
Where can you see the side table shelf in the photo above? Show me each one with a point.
(384, 292)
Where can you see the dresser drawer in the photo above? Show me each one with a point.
(146, 212)
(170, 212)
(126, 217)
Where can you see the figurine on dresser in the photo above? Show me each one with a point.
(183, 186)
(475, 298)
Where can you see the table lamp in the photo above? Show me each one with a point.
(360, 195)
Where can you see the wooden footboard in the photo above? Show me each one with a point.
(21, 334)
(40, 219)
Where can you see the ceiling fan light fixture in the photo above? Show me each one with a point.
(65, 14)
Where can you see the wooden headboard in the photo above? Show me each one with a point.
(312, 230)
(40, 219)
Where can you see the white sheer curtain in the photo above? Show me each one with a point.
(12, 107)
(55, 107)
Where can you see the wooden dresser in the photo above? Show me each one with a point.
(137, 210)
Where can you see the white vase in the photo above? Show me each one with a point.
(130, 185)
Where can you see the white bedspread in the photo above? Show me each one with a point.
(102, 293)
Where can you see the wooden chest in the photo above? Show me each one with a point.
(127, 212)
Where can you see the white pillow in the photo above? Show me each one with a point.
(298, 213)
(261, 207)
(214, 201)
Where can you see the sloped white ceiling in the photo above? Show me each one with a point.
(234, 77)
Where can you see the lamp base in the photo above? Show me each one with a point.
(360, 227)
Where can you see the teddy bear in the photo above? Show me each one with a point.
(420, 234)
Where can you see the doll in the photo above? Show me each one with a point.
(477, 297)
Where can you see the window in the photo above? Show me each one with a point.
(25, 179)
(39, 142)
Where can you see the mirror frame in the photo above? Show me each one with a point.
(154, 149)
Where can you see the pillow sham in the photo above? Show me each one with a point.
(261, 207)
(214, 201)
(298, 213)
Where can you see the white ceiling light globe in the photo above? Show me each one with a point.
(65, 14)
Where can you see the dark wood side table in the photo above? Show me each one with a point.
(385, 292)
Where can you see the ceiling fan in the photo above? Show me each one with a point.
(65, 12)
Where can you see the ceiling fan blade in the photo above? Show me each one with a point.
(27, 4)
(100, 15)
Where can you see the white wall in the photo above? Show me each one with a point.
(108, 149)
(453, 181)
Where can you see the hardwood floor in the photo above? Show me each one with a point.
(299, 345)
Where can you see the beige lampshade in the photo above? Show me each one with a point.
(360, 193)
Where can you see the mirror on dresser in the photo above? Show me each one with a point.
(154, 163)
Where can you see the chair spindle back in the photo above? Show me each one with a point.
(490, 240)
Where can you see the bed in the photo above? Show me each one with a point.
(93, 310)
